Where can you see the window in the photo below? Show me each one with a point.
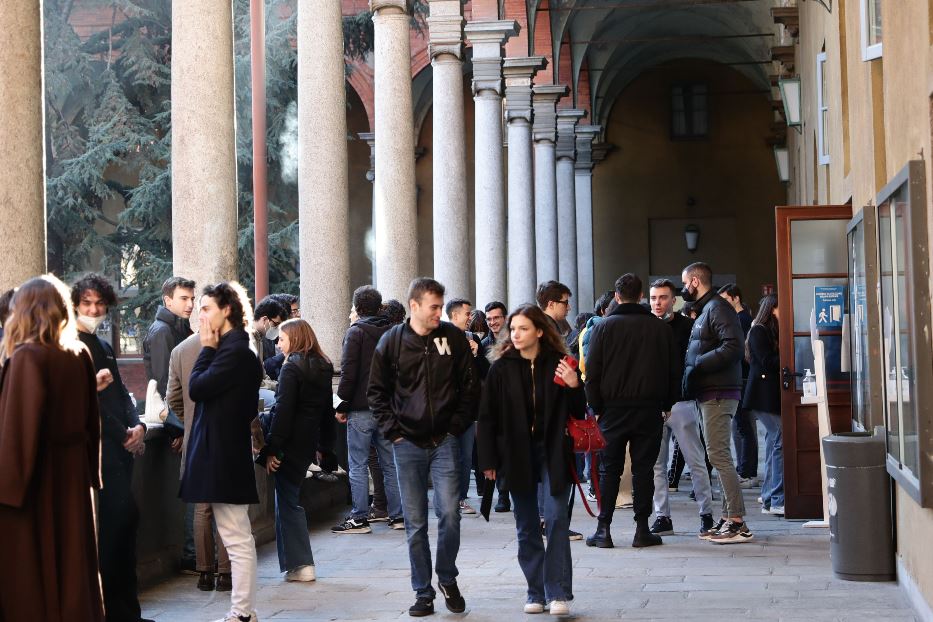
(871, 29)
(689, 111)
(822, 108)
(906, 349)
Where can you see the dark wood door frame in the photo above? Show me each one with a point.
(802, 475)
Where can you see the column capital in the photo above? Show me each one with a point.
(545, 99)
(379, 5)
(370, 139)
(487, 38)
(601, 150)
(445, 28)
(567, 120)
(585, 135)
(519, 72)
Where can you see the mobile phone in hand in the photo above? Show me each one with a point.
(570, 362)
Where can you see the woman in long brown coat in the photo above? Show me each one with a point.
(49, 462)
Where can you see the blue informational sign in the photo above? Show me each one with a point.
(829, 306)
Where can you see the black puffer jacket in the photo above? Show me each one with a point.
(358, 346)
(714, 356)
(503, 434)
(682, 327)
(632, 362)
(167, 331)
(423, 388)
(303, 415)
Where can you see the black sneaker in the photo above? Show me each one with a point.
(706, 523)
(712, 531)
(206, 582)
(452, 597)
(424, 606)
(352, 525)
(733, 533)
(503, 505)
(663, 526)
(397, 523)
(224, 582)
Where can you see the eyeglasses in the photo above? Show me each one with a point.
(562, 302)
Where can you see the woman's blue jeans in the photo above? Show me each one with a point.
(772, 486)
(291, 526)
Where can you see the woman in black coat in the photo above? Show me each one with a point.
(522, 436)
(763, 398)
(302, 428)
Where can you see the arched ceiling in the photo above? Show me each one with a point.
(619, 39)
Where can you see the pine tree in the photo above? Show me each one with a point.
(108, 133)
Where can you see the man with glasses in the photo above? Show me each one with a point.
(554, 299)
(495, 318)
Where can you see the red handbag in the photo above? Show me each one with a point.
(586, 438)
(585, 435)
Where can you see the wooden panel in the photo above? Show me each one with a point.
(802, 475)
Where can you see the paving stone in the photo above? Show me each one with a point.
(784, 574)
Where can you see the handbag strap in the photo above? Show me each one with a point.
(576, 481)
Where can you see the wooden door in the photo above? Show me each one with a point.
(811, 254)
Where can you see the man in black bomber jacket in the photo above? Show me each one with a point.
(422, 389)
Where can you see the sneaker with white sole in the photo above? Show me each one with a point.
(377, 516)
(534, 608)
(559, 608)
(714, 530)
(748, 482)
(466, 508)
(352, 525)
(397, 523)
(235, 617)
(733, 533)
(301, 573)
(777, 510)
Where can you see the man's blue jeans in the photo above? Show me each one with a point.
(413, 464)
(548, 569)
(291, 526)
(465, 441)
(362, 432)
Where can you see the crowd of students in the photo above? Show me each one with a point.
(485, 395)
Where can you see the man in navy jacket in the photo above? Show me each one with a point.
(219, 470)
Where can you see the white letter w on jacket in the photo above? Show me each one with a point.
(442, 346)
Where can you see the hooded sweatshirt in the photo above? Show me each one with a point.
(358, 347)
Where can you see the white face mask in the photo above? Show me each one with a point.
(91, 324)
(272, 333)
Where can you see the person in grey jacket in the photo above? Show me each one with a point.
(170, 328)
(713, 377)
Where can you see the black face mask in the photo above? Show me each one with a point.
(688, 295)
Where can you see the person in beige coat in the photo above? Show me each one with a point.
(180, 365)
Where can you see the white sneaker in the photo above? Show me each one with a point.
(534, 608)
(301, 573)
(777, 510)
(235, 617)
(466, 508)
(559, 608)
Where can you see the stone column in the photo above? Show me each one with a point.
(22, 160)
(204, 179)
(545, 136)
(395, 224)
(583, 186)
(519, 73)
(323, 190)
(487, 38)
(451, 218)
(567, 203)
(370, 139)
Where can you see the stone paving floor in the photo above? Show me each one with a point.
(784, 574)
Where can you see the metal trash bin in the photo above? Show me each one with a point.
(859, 497)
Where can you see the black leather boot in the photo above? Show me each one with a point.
(602, 538)
(643, 536)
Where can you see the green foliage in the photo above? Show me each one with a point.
(108, 116)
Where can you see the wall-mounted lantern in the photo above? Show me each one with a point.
(790, 95)
(782, 159)
(692, 237)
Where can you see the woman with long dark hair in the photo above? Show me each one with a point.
(763, 399)
(529, 393)
(50, 460)
(302, 426)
